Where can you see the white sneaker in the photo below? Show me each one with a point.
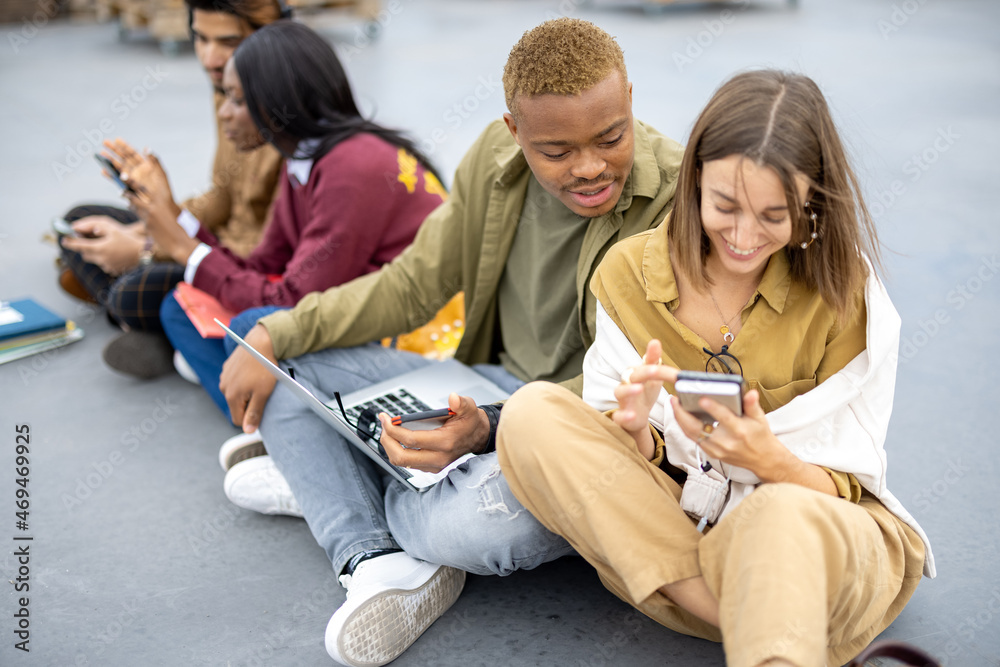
(184, 369)
(391, 600)
(256, 484)
(239, 448)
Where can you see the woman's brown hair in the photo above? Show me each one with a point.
(781, 120)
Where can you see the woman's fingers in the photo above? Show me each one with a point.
(751, 405)
(718, 412)
(647, 373)
(654, 352)
(691, 425)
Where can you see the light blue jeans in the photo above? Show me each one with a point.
(469, 520)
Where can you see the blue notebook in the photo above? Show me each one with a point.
(26, 316)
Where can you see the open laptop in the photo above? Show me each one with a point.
(423, 389)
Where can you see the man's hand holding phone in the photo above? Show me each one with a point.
(103, 241)
(466, 432)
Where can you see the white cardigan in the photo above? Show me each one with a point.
(840, 424)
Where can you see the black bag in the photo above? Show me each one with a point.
(908, 655)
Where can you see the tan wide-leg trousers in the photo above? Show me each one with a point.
(798, 574)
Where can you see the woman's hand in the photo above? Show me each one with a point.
(152, 200)
(637, 395)
(141, 171)
(746, 442)
(109, 244)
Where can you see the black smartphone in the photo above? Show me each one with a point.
(113, 172)
(421, 416)
(724, 389)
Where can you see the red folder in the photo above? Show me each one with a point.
(202, 308)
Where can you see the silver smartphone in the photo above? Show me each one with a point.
(724, 389)
(63, 228)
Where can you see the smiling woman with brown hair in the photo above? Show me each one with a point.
(769, 528)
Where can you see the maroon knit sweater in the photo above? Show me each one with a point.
(361, 206)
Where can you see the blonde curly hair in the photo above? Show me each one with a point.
(563, 56)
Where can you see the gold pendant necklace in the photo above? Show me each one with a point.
(727, 334)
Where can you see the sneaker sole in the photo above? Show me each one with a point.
(243, 453)
(230, 456)
(379, 631)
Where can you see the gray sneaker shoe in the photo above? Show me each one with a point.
(391, 600)
(141, 354)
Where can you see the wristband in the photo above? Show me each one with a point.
(493, 414)
(146, 254)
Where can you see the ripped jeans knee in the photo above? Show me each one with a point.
(471, 520)
(494, 494)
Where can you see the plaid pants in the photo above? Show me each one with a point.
(133, 298)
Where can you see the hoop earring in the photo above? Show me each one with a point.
(814, 235)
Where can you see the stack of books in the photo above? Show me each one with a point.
(27, 328)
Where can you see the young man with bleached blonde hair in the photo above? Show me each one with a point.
(536, 203)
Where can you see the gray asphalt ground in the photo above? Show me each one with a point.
(137, 558)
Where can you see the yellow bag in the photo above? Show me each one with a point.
(438, 339)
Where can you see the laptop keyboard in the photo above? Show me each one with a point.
(396, 402)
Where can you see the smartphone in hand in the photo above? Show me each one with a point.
(63, 228)
(421, 416)
(724, 389)
(113, 172)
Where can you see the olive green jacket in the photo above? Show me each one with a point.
(463, 246)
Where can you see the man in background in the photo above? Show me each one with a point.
(119, 266)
